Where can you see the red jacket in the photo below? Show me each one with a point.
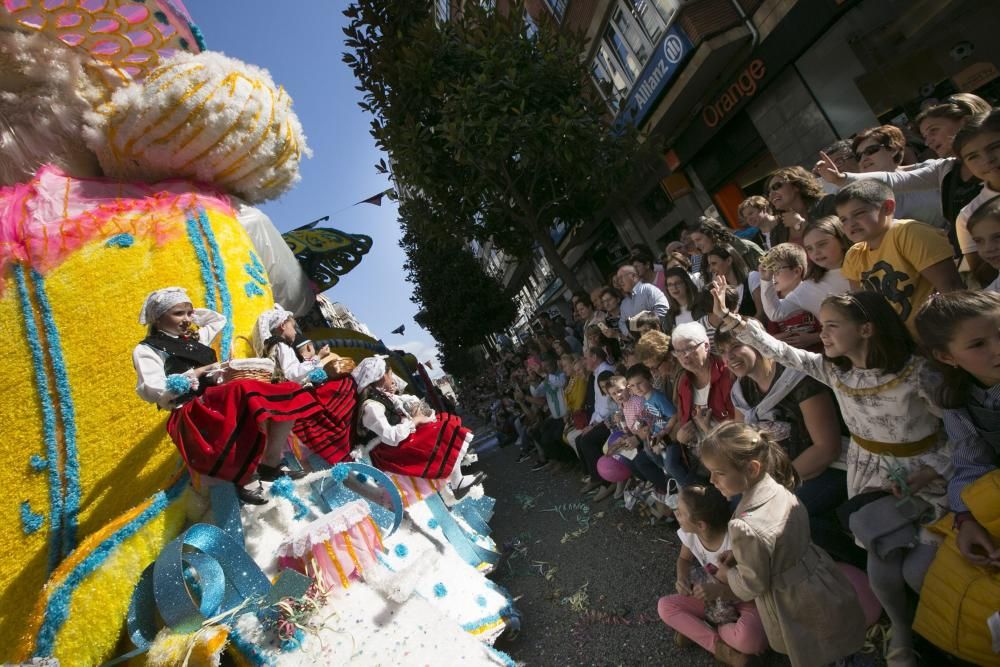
(719, 399)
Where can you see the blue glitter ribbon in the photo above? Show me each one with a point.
(336, 494)
(471, 553)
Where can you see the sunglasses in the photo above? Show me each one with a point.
(776, 185)
(871, 150)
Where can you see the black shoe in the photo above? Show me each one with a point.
(524, 456)
(251, 496)
(464, 488)
(269, 473)
(541, 465)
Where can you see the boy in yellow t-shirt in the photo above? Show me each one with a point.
(903, 260)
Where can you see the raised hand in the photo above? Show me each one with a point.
(718, 290)
(828, 170)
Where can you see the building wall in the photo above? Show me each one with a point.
(790, 122)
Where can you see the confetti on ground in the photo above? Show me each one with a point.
(525, 501)
(577, 601)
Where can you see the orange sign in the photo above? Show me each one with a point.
(745, 86)
(975, 76)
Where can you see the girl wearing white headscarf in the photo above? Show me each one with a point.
(409, 441)
(234, 431)
(328, 432)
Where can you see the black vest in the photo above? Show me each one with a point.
(183, 354)
(392, 415)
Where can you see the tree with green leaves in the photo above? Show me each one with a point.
(495, 129)
(460, 303)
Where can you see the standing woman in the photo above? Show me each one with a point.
(682, 295)
(328, 432)
(798, 197)
(724, 261)
(232, 431)
(408, 442)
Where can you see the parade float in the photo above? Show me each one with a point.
(133, 158)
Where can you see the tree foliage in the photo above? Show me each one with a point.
(460, 303)
(494, 130)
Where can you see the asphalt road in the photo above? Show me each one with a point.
(587, 576)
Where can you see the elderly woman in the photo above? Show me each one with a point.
(403, 436)
(703, 390)
(236, 431)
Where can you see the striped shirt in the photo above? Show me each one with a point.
(972, 454)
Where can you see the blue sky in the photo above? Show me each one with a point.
(300, 42)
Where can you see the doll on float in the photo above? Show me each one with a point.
(233, 429)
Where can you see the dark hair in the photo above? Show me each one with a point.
(867, 190)
(639, 370)
(739, 266)
(979, 124)
(807, 185)
(706, 505)
(739, 444)
(715, 230)
(584, 298)
(830, 225)
(990, 209)
(613, 291)
(887, 136)
(689, 288)
(647, 320)
(680, 258)
(642, 255)
(937, 322)
(890, 345)
(725, 338)
(604, 376)
(955, 107)
(838, 146)
(598, 352)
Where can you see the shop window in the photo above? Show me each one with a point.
(611, 80)
(557, 7)
(655, 206)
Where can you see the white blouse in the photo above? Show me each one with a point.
(152, 379)
(808, 296)
(293, 369)
(373, 418)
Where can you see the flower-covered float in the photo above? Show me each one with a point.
(132, 160)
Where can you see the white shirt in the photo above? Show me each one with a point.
(808, 296)
(293, 369)
(698, 550)
(151, 382)
(684, 316)
(701, 395)
(644, 296)
(965, 241)
(603, 405)
(373, 418)
(551, 390)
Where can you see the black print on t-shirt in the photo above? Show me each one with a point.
(885, 280)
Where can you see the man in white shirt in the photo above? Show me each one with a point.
(639, 296)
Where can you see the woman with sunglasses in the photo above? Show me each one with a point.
(880, 149)
(798, 197)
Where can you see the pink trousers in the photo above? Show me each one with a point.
(686, 615)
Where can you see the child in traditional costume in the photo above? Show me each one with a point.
(416, 444)
(327, 432)
(231, 431)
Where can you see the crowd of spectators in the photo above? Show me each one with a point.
(823, 385)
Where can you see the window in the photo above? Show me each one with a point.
(558, 8)
(530, 27)
(442, 11)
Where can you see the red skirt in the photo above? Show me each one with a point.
(431, 452)
(328, 432)
(221, 433)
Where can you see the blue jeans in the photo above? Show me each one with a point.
(646, 468)
(674, 466)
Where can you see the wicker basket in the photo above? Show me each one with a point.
(248, 369)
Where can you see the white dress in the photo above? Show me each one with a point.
(876, 406)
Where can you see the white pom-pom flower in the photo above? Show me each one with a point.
(205, 117)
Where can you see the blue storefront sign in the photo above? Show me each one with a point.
(662, 67)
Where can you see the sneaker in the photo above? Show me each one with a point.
(541, 465)
(523, 457)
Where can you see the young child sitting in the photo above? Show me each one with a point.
(703, 515)
(984, 228)
(790, 302)
(807, 605)
(975, 145)
(903, 260)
